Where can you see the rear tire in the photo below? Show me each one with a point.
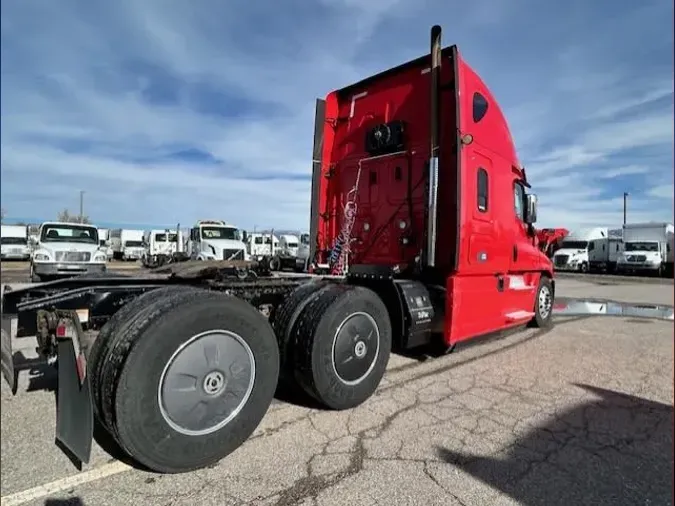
(543, 304)
(342, 341)
(99, 351)
(283, 321)
(150, 420)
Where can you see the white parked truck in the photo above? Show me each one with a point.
(259, 245)
(66, 249)
(595, 248)
(163, 242)
(302, 262)
(103, 240)
(14, 243)
(216, 240)
(127, 244)
(287, 256)
(648, 247)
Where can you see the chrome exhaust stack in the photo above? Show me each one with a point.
(434, 136)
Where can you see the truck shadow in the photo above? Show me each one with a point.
(70, 501)
(614, 450)
(41, 375)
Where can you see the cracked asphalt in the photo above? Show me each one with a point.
(580, 414)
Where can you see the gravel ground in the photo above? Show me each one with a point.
(581, 414)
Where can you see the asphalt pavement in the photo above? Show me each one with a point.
(580, 414)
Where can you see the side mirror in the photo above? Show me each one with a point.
(244, 236)
(531, 209)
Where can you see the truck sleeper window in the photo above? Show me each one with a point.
(482, 185)
(480, 107)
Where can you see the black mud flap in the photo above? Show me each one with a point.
(9, 372)
(74, 408)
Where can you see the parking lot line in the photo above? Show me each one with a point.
(63, 484)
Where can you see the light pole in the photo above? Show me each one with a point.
(625, 200)
(81, 206)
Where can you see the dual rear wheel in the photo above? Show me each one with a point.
(182, 376)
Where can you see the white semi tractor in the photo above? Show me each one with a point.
(163, 241)
(261, 244)
(103, 240)
(65, 250)
(216, 240)
(648, 248)
(14, 242)
(287, 255)
(127, 244)
(589, 249)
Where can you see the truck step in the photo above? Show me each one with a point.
(519, 315)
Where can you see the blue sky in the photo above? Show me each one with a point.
(167, 114)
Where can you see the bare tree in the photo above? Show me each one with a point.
(65, 217)
(2, 215)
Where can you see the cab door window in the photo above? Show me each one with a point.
(519, 200)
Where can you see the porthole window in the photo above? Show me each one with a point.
(480, 107)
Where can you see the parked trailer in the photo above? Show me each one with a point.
(14, 242)
(185, 365)
(648, 248)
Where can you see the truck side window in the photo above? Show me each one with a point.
(480, 107)
(519, 200)
(591, 246)
(482, 185)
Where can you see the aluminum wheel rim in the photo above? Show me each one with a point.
(359, 343)
(206, 382)
(544, 301)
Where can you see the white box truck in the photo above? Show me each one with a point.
(14, 242)
(65, 250)
(589, 248)
(127, 244)
(648, 248)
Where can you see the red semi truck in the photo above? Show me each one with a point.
(419, 204)
(550, 238)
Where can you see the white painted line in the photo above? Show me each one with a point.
(67, 483)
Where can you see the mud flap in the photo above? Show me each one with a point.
(9, 372)
(74, 408)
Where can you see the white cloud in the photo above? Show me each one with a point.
(662, 192)
(627, 170)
